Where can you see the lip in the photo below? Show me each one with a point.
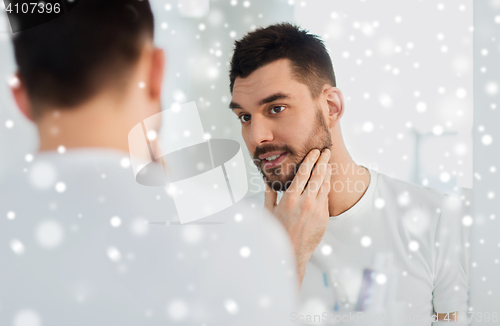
(263, 156)
(276, 162)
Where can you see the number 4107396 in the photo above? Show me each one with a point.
(26, 8)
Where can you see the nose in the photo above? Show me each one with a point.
(260, 132)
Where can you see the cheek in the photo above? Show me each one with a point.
(292, 136)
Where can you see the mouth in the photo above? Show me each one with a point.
(272, 160)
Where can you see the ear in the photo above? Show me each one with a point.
(156, 73)
(20, 94)
(335, 103)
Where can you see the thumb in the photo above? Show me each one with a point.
(270, 199)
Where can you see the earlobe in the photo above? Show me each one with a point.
(21, 97)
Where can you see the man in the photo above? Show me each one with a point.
(284, 92)
(81, 242)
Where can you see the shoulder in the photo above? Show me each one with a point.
(406, 193)
(422, 211)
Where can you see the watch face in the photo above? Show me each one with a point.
(25, 14)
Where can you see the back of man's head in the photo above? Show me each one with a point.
(68, 60)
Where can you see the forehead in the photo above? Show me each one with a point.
(272, 78)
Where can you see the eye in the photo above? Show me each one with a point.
(276, 109)
(244, 117)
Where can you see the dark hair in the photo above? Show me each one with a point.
(66, 61)
(310, 60)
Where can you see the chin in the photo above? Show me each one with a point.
(279, 185)
(277, 180)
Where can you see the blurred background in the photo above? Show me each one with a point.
(406, 70)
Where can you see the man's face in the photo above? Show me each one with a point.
(280, 121)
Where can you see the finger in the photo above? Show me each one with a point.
(270, 198)
(318, 175)
(326, 186)
(300, 179)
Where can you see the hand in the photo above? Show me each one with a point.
(303, 209)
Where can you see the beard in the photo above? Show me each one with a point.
(279, 178)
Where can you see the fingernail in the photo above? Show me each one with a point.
(316, 152)
(327, 151)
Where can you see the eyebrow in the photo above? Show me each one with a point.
(234, 105)
(269, 99)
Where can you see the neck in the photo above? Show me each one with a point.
(349, 180)
(100, 122)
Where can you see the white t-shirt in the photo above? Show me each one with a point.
(81, 243)
(411, 235)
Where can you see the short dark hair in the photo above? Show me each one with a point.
(66, 61)
(310, 60)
